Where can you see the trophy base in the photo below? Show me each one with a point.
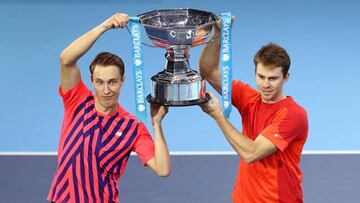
(203, 100)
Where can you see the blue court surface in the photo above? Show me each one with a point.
(328, 178)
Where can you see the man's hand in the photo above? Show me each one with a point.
(217, 26)
(212, 107)
(158, 113)
(118, 20)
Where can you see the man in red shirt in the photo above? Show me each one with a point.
(97, 134)
(274, 127)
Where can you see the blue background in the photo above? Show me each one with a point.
(322, 38)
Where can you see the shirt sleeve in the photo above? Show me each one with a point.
(287, 126)
(144, 145)
(242, 95)
(73, 96)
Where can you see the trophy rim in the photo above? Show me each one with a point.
(163, 40)
(177, 9)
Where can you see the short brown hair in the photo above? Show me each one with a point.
(107, 59)
(273, 56)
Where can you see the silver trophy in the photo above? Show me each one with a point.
(177, 30)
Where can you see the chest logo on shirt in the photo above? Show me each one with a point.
(118, 133)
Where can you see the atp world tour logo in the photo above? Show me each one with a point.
(174, 34)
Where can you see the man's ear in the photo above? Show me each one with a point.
(91, 78)
(287, 76)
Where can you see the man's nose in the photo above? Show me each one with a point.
(106, 88)
(266, 83)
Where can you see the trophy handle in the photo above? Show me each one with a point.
(143, 43)
(212, 39)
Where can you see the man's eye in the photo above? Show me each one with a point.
(99, 82)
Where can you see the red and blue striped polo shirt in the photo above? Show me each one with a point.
(94, 149)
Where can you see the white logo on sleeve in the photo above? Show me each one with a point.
(276, 135)
(118, 133)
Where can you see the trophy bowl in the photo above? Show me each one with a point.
(177, 30)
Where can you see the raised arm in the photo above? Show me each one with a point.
(160, 164)
(210, 57)
(69, 71)
(249, 150)
(209, 60)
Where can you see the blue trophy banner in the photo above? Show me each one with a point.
(138, 69)
(226, 63)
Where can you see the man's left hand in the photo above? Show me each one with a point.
(212, 107)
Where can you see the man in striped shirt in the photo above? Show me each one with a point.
(97, 134)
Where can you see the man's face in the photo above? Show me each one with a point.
(107, 83)
(270, 83)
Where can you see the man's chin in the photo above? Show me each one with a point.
(266, 98)
(108, 104)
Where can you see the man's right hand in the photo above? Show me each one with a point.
(217, 26)
(158, 113)
(118, 20)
